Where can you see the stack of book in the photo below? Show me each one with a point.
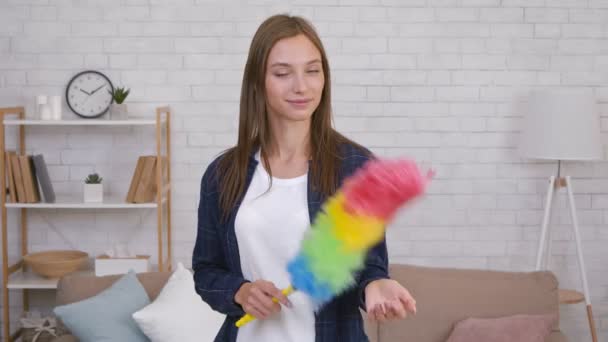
(143, 183)
(28, 179)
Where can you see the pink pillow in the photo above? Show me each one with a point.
(521, 328)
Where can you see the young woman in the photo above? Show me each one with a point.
(259, 197)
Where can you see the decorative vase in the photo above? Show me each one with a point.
(119, 111)
(93, 192)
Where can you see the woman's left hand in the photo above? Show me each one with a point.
(386, 299)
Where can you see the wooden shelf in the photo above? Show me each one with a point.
(21, 279)
(73, 202)
(82, 122)
(570, 297)
(29, 280)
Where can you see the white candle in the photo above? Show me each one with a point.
(41, 101)
(56, 107)
(46, 112)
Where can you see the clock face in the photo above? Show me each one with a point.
(88, 94)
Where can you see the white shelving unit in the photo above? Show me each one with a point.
(15, 276)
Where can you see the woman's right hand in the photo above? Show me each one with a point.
(256, 298)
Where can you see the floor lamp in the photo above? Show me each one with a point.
(562, 125)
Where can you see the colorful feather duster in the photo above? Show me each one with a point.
(352, 221)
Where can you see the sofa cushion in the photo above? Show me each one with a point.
(179, 313)
(107, 315)
(521, 328)
(445, 296)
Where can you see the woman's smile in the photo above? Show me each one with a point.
(299, 103)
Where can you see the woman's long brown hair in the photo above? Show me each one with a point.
(254, 128)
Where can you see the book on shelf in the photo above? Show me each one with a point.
(28, 179)
(44, 180)
(12, 190)
(30, 182)
(147, 182)
(16, 168)
(135, 179)
(143, 182)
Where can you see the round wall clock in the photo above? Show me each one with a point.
(88, 94)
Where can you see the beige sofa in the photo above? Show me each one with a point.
(444, 296)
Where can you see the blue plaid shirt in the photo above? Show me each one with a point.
(217, 268)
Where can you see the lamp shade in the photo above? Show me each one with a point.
(561, 124)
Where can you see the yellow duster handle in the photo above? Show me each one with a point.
(248, 318)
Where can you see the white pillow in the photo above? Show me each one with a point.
(179, 313)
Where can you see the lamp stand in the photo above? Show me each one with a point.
(543, 255)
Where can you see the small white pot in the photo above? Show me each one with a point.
(119, 111)
(93, 192)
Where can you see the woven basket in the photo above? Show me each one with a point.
(55, 264)
(35, 334)
(28, 334)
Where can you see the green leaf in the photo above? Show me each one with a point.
(120, 94)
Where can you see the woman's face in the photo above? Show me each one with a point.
(294, 79)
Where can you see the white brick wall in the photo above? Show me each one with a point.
(438, 80)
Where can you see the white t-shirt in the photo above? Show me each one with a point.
(269, 227)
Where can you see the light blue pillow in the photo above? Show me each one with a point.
(107, 316)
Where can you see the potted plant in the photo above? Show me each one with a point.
(93, 189)
(118, 109)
